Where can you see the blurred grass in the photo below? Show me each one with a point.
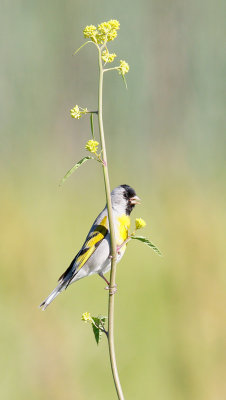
(165, 139)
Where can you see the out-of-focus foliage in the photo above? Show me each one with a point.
(165, 138)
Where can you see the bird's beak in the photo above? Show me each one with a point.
(135, 200)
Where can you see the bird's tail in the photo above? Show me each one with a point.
(61, 286)
(64, 281)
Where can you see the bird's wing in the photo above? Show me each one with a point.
(96, 235)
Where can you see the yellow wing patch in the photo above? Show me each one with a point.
(92, 242)
(124, 225)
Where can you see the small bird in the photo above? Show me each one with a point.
(94, 256)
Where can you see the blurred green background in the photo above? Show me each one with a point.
(165, 138)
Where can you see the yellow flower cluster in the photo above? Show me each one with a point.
(105, 32)
(86, 317)
(123, 68)
(90, 32)
(92, 146)
(140, 223)
(108, 57)
(77, 112)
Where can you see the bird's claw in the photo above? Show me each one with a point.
(112, 289)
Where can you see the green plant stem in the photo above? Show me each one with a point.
(111, 344)
(111, 69)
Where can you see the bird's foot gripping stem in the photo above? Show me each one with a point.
(113, 289)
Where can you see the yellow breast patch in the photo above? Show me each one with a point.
(124, 225)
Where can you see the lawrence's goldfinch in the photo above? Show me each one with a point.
(94, 256)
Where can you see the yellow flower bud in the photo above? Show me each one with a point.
(112, 35)
(108, 57)
(124, 67)
(114, 24)
(90, 32)
(92, 146)
(86, 317)
(140, 223)
(75, 112)
(107, 31)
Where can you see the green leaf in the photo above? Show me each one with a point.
(74, 168)
(97, 333)
(124, 80)
(98, 326)
(146, 241)
(91, 124)
(89, 41)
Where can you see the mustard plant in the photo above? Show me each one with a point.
(100, 37)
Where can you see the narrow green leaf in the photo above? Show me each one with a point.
(97, 333)
(91, 124)
(98, 325)
(74, 168)
(89, 41)
(146, 241)
(124, 80)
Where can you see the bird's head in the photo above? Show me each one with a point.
(124, 199)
